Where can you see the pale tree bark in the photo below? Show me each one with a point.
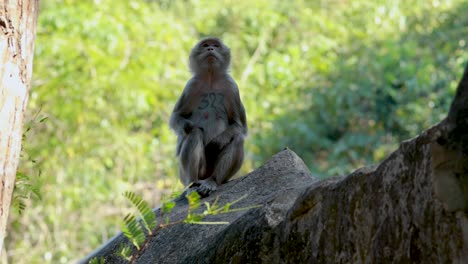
(17, 34)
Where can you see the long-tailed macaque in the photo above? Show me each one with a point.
(209, 120)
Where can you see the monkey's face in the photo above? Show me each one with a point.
(209, 54)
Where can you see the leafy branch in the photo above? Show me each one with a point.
(24, 188)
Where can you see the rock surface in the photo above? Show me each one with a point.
(274, 186)
(411, 208)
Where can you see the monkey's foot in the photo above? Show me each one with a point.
(204, 187)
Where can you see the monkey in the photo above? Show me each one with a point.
(209, 120)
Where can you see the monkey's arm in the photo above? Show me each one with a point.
(236, 114)
(179, 121)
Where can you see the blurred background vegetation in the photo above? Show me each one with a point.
(340, 82)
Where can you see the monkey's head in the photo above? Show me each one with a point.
(210, 55)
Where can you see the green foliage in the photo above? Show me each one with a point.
(27, 186)
(194, 203)
(147, 215)
(167, 206)
(97, 260)
(211, 209)
(339, 82)
(194, 200)
(125, 252)
(24, 190)
(133, 230)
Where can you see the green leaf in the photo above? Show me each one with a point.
(133, 231)
(147, 215)
(97, 260)
(167, 206)
(124, 252)
(193, 218)
(194, 200)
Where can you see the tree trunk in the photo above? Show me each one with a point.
(17, 33)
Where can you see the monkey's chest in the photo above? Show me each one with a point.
(211, 114)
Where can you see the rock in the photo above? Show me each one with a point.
(274, 186)
(411, 208)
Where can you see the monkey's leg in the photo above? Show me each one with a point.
(230, 160)
(227, 164)
(192, 157)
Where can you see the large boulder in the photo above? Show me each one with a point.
(411, 208)
(273, 187)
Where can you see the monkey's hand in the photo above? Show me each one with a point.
(220, 141)
(188, 127)
(204, 187)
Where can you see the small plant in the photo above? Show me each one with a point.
(24, 186)
(140, 232)
(24, 189)
(211, 209)
(97, 260)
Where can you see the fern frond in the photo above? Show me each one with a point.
(147, 215)
(124, 252)
(133, 231)
(97, 260)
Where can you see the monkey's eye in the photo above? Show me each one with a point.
(205, 45)
(216, 45)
